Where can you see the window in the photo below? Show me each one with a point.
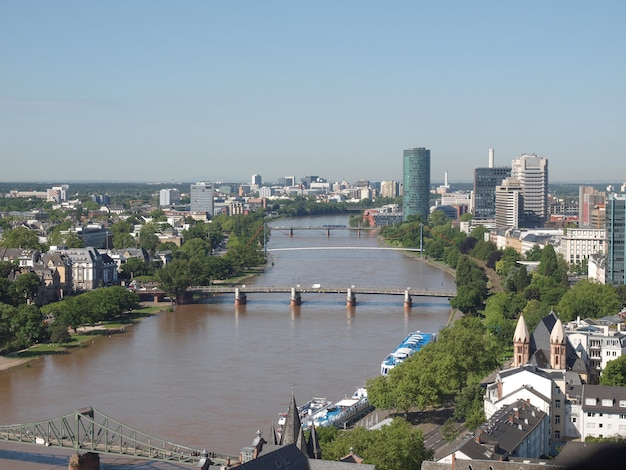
(591, 425)
(622, 416)
(557, 434)
(600, 425)
(557, 419)
(557, 404)
(573, 419)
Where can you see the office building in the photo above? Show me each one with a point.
(532, 173)
(509, 204)
(389, 189)
(257, 180)
(201, 198)
(616, 246)
(485, 182)
(590, 207)
(168, 197)
(416, 183)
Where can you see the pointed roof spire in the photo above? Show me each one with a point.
(557, 336)
(301, 442)
(521, 331)
(273, 439)
(313, 445)
(292, 423)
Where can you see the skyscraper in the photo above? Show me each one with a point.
(201, 198)
(589, 200)
(257, 180)
(509, 204)
(485, 182)
(416, 183)
(616, 238)
(532, 173)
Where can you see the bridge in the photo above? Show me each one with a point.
(327, 228)
(240, 292)
(90, 431)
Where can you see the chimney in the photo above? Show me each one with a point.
(491, 162)
(511, 419)
(516, 411)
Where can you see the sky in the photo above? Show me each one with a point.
(149, 90)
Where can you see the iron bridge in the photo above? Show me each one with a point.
(89, 430)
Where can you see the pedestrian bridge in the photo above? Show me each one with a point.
(240, 292)
(90, 431)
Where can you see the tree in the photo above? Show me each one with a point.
(28, 325)
(20, 237)
(59, 333)
(614, 372)
(27, 286)
(397, 446)
(468, 299)
(468, 406)
(148, 239)
(588, 299)
(174, 278)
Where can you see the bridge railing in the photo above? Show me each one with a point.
(90, 430)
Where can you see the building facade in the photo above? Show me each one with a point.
(589, 201)
(201, 198)
(416, 183)
(616, 240)
(168, 197)
(508, 204)
(578, 244)
(532, 173)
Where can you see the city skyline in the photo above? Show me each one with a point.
(152, 91)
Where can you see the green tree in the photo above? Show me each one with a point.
(174, 278)
(58, 333)
(397, 446)
(20, 237)
(588, 299)
(614, 372)
(468, 299)
(468, 406)
(7, 312)
(27, 286)
(148, 238)
(28, 325)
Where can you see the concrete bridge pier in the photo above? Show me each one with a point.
(408, 302)
(296, 298)
(291, 232)
(88, 461)
(240, 297)
(350, 298)
(327, 233)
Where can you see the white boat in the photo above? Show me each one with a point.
(409, 346)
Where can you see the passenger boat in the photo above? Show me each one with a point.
(342, 413)
(311, 407)
(409, 346)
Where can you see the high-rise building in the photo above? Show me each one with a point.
(616, 239)
(167, 197)
(416, 183)
(257, 180)
(509, 204)
(589, 200)
(485, 182)
(532, 173)
(389, 189)
(201, 198)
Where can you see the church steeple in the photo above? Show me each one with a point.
(313, 444)
(557, 346)
(291, 428)
(521, 343)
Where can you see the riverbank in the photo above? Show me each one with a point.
(36, 352)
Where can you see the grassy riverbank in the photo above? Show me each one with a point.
(83, 337)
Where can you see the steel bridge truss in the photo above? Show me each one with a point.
(89, 430)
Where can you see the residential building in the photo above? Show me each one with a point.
(389, 189)
(509, 204)
(169, 197)
(485, 182)
(62, 264)
(90, 269)
(532, 173)
(201, 198)
(616, 240)
(516, 430)
(602, 412)
(597, 343)
(416, 183)
(578, 244)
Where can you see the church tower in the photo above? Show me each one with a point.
(521, 343)
(557, 346)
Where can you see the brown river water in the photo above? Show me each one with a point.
(209, 375)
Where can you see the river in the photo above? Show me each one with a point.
(209, 375)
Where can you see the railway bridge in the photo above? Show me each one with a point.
(90, 433)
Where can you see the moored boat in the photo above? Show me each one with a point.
(409, 346)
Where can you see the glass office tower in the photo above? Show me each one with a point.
(416, 187)
(616, 248)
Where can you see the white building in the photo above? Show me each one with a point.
(579, 243)
(599, 343)
(509, 203)
(602, 412)
(532, 173)
(168, 197)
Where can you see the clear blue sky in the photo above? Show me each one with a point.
(146, 90)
